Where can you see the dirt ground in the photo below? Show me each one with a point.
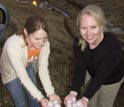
(60, 17)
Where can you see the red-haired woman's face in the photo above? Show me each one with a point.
(37, 39)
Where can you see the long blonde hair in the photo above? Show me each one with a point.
(97, 13)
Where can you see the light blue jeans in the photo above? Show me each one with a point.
(18, 92)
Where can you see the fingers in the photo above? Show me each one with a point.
(44, 102)
(55, 97)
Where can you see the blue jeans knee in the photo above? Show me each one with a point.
(17, 90)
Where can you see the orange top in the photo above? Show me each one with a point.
(33, 53)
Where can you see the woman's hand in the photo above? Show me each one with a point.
(83, 101)
(71, 96)
(44, 102)
(53, 97)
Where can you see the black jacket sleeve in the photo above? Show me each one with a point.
(80, 68)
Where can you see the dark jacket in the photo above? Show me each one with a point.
(104, 64)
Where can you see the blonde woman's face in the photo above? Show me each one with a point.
(37, 39)
(90, 30)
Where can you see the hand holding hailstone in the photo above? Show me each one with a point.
(53, 103)
(73, 103)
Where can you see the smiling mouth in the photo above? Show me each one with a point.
(89, 38)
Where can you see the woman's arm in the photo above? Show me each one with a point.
(79, 69)
(43, 69)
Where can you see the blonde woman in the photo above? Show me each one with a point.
(97, 52)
